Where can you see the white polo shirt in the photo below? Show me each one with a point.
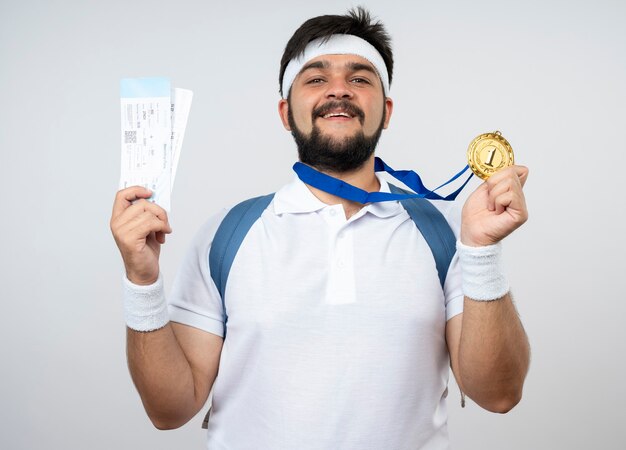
(336, 328)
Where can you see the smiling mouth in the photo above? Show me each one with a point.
(336, 114)
(340, 111)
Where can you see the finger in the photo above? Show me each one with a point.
(514, 203)
(519, 172)
(133, 234)
(125, 197)
(147, 223)
(511, 178)
(153, 208)
(140, 207)
(509, 183)
(152, 239)
(160, 237)
(522, 173)
(503, 201)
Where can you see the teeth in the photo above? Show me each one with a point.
(326, 116)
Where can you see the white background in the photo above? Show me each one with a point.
(550, 75)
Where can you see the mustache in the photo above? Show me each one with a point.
(344, 105)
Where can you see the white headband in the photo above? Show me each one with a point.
(337, 44)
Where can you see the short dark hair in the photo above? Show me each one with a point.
(356, 22)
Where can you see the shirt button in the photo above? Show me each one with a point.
(332, 213)
(340, 263)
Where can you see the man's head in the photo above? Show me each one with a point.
(356, 22)
(335, 75)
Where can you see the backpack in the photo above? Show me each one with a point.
(236, 224)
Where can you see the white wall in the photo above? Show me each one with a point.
(549, 74)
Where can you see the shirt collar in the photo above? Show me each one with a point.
(295, 197)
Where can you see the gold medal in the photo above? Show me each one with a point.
(489, 153)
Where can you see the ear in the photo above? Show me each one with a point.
(283, 112)
(388, 110)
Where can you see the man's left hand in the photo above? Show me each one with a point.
(495, 209)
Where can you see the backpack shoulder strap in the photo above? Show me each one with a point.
(433, 227)
(229, 236)
(226, 242)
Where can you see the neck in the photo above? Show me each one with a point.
(364, 178)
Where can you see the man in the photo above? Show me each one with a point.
(339, 334)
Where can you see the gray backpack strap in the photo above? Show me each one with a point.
(228, 239)
(433, 227)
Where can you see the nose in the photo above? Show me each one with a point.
(338, 88)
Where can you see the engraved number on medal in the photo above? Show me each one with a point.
(490, 156)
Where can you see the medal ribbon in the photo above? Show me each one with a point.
(340, 188)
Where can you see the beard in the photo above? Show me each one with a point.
(335, 155)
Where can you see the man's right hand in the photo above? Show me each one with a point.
(139, 228)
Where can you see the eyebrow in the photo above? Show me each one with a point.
(316, 65)
(353, 66)
(356, 67)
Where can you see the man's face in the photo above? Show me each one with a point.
(336, 111)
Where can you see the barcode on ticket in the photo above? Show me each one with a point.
(130, 137)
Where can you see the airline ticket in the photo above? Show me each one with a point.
(154, 119)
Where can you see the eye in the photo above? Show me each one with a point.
(360, 80)
(315, 81)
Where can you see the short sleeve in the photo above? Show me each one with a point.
(452, 289)
(194, 299)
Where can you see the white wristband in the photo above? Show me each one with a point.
(145, 308)
(483, 275)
